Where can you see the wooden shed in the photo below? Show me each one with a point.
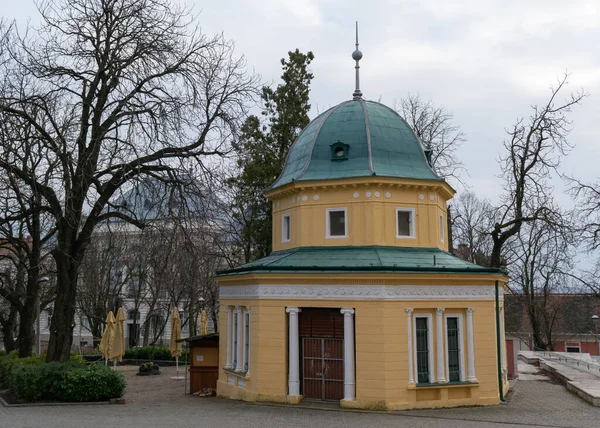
(204, 361)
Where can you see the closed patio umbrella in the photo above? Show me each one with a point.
(107, 337)
(203, 323)
(117, 347)
(175, 336)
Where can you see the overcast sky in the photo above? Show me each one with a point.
(485, 61)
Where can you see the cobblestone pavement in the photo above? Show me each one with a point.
(160, 402)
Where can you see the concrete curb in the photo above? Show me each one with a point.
(58, 404)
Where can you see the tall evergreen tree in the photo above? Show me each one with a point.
(261, 152)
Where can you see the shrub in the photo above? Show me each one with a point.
(11, 360)
(70, 381)
(2, 353)
(92, 383)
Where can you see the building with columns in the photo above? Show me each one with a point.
(360, 300)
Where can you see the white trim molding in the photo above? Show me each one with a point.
(286, 230)
(329, 235)
(359, 292)
(239, 358)
(228, 360)
(412, 223)
(442, 228)
(461, 341)
(439, 345)
(411, 378)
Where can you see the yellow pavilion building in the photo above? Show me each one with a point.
(360, 300)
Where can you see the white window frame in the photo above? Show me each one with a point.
(429, 345)
(570, 345)
(246, 315)
(442, 228)
(234, 342)
(461, 344)
(284, 229)
(413, 223)
(328, 234)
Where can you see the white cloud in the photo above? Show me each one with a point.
(487, 61)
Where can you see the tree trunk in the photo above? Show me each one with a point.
(146, 332)
(26, 332)
(61, 329)
(8, 329)
(495, 259)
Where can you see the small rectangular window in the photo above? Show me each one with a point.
(442, 227)
(453, 349)
(285, 228)
(405, 223)
(246, 341)
(336, 223)
(235, 342)
(422, 350)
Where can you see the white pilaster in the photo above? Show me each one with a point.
(470, 347)
(229, 336)
(239, 367)
(411, 377)
(294, 357)
(503, 343)
(349, 380)
(439, 348)
(249, 344)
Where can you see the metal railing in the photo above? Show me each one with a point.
(576, 363)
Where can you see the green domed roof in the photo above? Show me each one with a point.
(356, 139)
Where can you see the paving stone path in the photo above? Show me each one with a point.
(160, 402)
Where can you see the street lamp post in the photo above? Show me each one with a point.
(595, 321)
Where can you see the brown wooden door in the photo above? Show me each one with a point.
(322, 368)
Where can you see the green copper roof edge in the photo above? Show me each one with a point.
(368, 132)
(312, 147)
(285, 253)
(342, 269)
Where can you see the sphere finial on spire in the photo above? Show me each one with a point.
(357, 56)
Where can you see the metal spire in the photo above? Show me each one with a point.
(356, 56)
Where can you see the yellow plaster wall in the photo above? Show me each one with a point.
(381, 353)
(370, 220)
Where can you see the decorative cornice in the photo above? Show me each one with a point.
(357, 278)
(363, 292)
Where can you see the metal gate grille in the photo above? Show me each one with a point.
(323, 368)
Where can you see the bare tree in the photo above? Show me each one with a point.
(532, 152)
(587, 199)
(471, 222)
(116, 90)
(434, 126)
(540, 259)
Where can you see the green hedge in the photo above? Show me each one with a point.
(8, 361)
(154, 353)
(32, 379)
(64, 382)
